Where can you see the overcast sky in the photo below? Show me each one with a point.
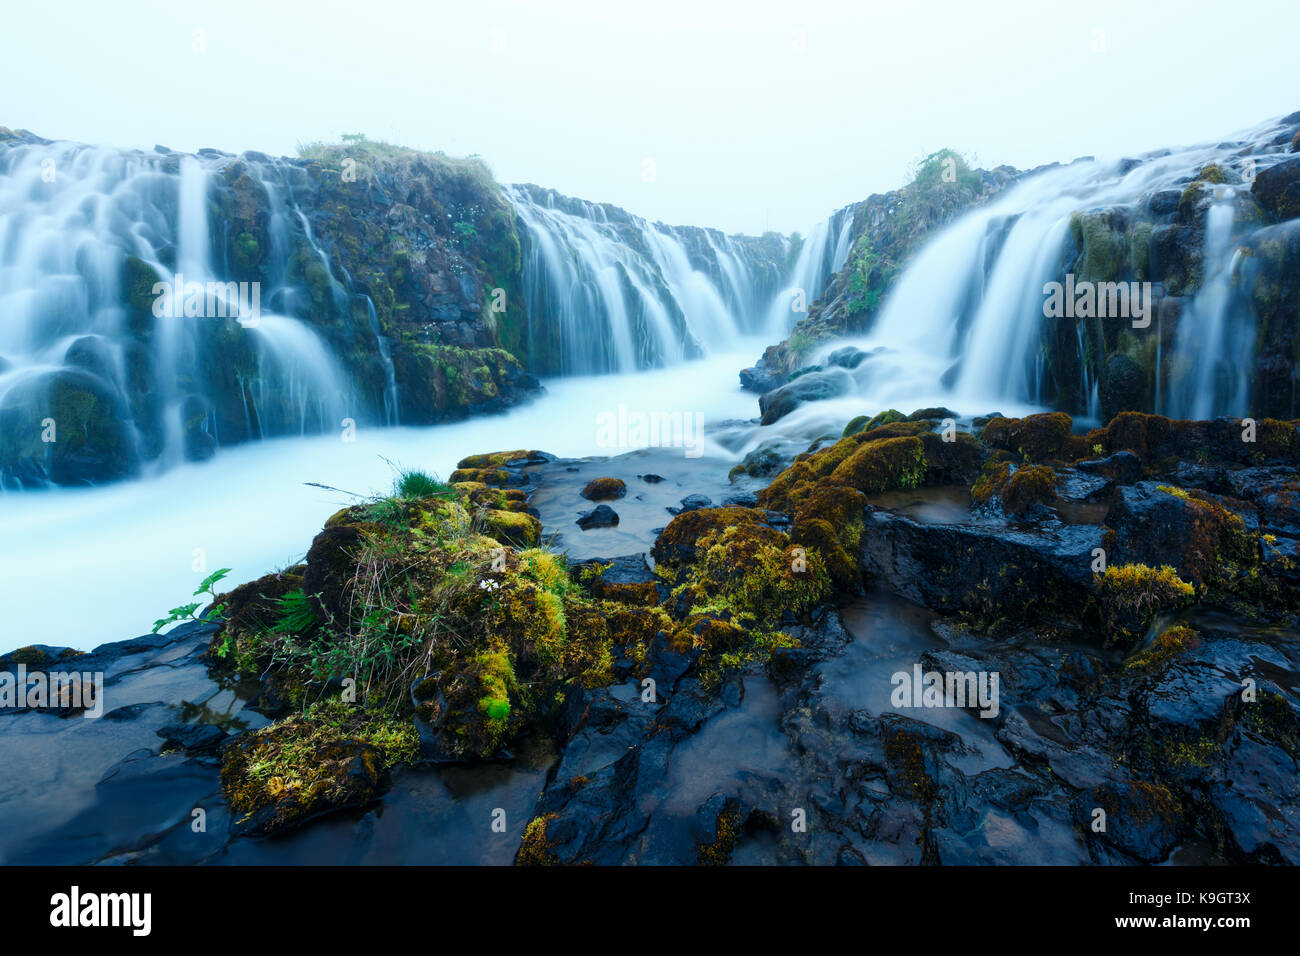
(743, 116)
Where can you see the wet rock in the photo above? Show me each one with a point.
(192, 738)
(627, 578)
(1074, 484)
(602, 516)
(812, 387)
(980, 569)
(1123, 386)
(1278, 189)
(1142, 819)
(847, 357)
(760, 379)
(604, 489)
(763, 461)
(1123, 467)
(691, 503)
(1192, 532)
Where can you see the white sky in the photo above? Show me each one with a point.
(744, 131)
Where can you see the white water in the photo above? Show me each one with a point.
(961, 327)
(70, 215)
(82, 566)
(614, 292)
(819, 258)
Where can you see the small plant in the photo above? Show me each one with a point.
(297, 616)
(419, 484)
(1096, 449)
(188, 612)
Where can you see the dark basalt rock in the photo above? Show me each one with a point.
(812, 387)
(602, 516)
(958, 567)
(1278, 189)
(1123, 386)
(192, 738)
(1155, 525)
(691, 503)
(1123, 467)
(760, 379)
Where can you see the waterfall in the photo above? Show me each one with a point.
(820, 256)
(964, 324)
(1218, 337)
(87, 236)
(607, 291)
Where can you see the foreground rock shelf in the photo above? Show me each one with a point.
(713, 683)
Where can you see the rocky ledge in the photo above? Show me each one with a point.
(729, 691)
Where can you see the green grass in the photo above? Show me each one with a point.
(414, 483)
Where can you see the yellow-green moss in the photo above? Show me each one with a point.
(718, 853)
(1036, 438)
(1130, 595)
(536, 849)
(332, 755)
(513, 527)
(604, 489)
(1168, 645)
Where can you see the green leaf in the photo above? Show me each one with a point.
(206, 584)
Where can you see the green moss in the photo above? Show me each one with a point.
(1167, 646)
(536, 849)
(1102, 244)
(905, 762)
(28, 656)
(1271, 717)
(1036, 438)
(1130, 595)
(513, 527)
(718, 853)
(331, 756)
(1030, 485)
(604, 489)
(893, 463)
(759, 574)
(493, 459)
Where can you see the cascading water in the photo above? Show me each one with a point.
(820, 256)
(1219, 337)
(964, 325)
(608, 291)
(86, 236)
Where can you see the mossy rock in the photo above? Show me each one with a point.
(1169, 644)
(1037, 438)
(332, 757)
(496, 477)
(1131, 595)
(604, 489)
(517, 528)
(1019, 490)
